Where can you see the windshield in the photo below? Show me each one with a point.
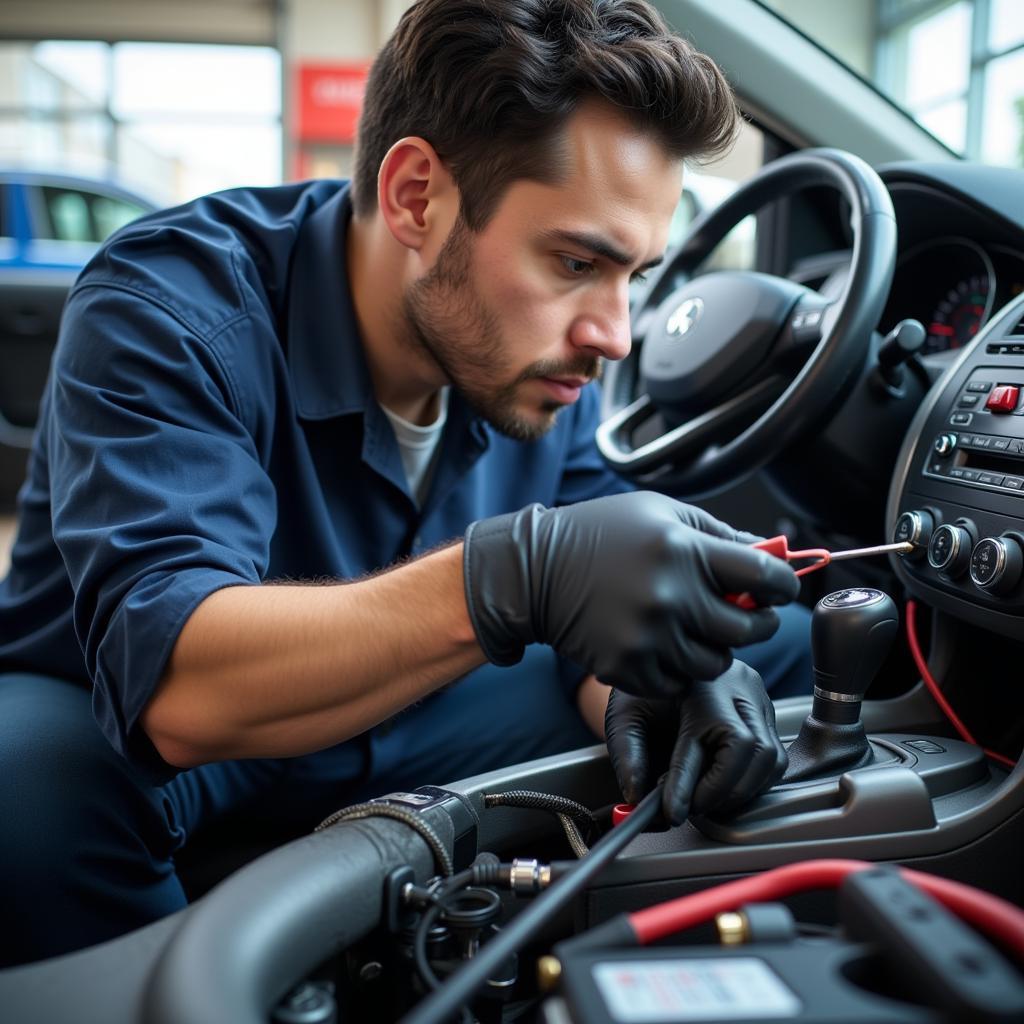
(955, 66)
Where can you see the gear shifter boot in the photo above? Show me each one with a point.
(825, 748)
(851, 632)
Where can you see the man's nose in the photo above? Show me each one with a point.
(606, 334)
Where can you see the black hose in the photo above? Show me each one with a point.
(444, 1002)
(414, 820)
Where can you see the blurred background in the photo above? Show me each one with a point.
(182, 98)
(113, 107)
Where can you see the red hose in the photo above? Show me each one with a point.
(933, 687)
(997, 918)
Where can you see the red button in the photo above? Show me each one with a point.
(1003, 398)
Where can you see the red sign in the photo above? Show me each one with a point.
(330, 99)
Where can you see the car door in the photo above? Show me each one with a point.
(48, 231)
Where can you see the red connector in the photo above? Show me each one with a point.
(994, 917)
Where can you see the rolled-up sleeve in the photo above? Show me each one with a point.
(159, 497)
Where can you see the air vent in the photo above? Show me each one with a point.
(1017, 331)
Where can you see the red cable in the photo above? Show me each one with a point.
(933, 687)
(995, 917)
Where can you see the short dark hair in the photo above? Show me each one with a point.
(490, 83)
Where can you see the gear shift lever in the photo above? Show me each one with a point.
(851, 633)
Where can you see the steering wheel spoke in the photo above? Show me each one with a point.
(687, 442)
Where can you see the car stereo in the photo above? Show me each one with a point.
(958, 492)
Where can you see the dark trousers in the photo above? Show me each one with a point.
(90, 851)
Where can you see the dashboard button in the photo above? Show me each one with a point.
(916, 527)
(981, 441)
(968, 401)
(955, 473)
(981, 386)
(925, 746)
(996, 564)
(949, 550)
(961, 419)
(992, 479)
(1003, 398)
(1013, 483)
(971, 474)
(1001, 443)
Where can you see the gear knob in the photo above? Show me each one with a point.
(851, 633)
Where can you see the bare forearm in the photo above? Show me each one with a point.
(592, 700)
(275, 671)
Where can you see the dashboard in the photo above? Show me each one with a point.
(961, 250)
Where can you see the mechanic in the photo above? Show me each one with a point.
(314, 510)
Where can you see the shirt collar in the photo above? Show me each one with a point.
(326, 361)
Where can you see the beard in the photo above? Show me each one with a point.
(446, 319)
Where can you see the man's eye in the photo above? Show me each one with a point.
(576, 267)
(637, 278)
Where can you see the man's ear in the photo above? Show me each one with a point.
(416, 194)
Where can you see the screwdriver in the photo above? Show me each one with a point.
(779, 547)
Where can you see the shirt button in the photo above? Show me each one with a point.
(417, 541)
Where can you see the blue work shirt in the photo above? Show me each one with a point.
(210, 421)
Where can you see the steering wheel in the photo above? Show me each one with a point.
(731, 367)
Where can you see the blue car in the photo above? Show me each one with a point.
(50, 225)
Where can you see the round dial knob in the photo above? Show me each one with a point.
(949, 550)
(915, 527)
(996, 564)
(944, 444)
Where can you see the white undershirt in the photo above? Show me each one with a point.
(418, 446)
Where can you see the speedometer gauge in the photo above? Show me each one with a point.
(949, 285)
(959, 315)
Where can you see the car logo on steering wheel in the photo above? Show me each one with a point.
(684, 317)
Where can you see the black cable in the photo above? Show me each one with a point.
(451, 887)
(460, 987)
(572, 835)
(419, 946)
(543, 802)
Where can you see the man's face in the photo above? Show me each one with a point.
(518, 315)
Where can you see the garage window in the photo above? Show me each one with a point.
(174, 120)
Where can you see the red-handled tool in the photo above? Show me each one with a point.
(779, 547)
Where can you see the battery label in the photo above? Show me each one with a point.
(712, 989)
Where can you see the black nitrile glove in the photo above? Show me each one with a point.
(630, 587)
(717, 743)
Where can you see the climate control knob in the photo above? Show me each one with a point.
(997, 564)
(944, 444)
(949, 550)
(915, 527)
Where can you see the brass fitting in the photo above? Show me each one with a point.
(549, 971)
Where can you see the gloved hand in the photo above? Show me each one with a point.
(717, 743)
(631, 587)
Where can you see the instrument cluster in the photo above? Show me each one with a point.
(953, 285)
